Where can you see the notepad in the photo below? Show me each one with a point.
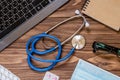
(104, 11)
(87, 71)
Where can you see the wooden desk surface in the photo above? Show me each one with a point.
(14, 57)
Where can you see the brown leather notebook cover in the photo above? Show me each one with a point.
(104, 11)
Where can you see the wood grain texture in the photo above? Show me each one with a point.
(14, 57)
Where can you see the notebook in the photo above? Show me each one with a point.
(104, 11)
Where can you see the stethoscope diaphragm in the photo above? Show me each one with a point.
(78, 42)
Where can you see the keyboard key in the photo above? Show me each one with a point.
(5, 10)
(30, 7)
(6, 24)
(36, 2)
(27, 16)
(11, 20)
(14, 11)
(10, 7)
(25, 10)
(20, 13)
(19, 7)
(4, 4)
(24, 4)
(16, 17)
(44, 3)
(10, 14)
(15, 3)
(5, 18)
(39, 7)
(33, 11)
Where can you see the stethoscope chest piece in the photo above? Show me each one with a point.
(78, 42)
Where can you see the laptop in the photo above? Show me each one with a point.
(19, 16)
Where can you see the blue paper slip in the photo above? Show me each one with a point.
(87, 71)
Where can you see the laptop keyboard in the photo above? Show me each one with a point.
(15, 12)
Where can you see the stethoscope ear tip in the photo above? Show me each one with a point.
(77, 12)
(87, 24)
(78, 42)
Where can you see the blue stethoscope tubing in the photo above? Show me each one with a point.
(32, 42)
(31, 48)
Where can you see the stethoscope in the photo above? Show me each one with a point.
(78, 42)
